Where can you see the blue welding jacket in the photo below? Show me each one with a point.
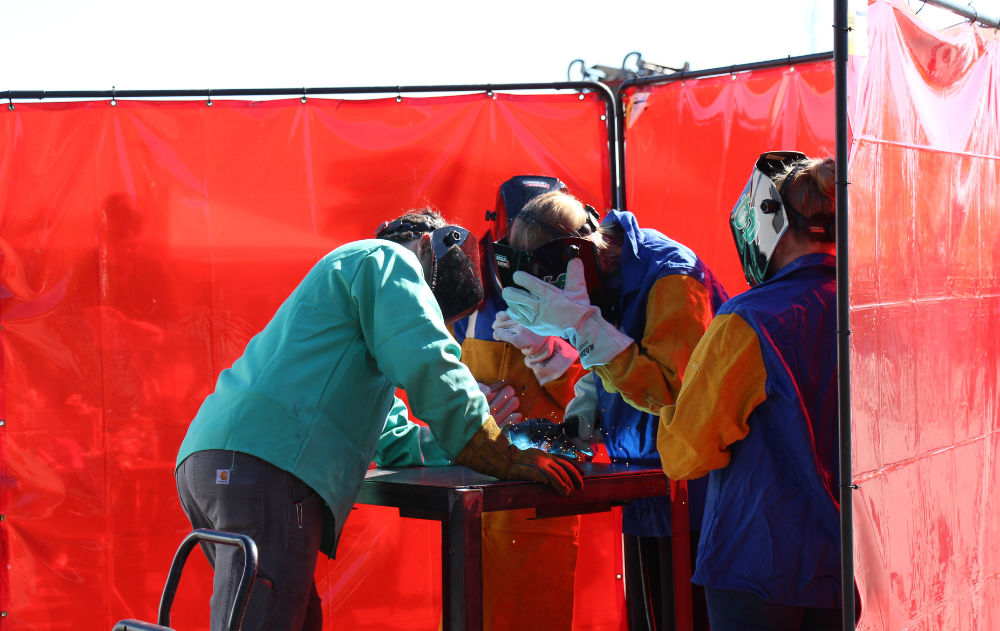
(630, 434)
(481, 321)
(771, 523)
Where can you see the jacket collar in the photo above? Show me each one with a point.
(809, 260)
(631, 266)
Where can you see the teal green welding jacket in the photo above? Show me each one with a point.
(313, 392)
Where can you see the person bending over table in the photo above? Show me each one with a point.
(758, 413)
(664, 297)
(280, 449)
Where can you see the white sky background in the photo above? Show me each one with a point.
(136, 44)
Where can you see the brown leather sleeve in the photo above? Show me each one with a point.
(487, 452)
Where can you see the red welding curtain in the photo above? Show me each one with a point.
(142, 246)
(690, 147)
(925, 301)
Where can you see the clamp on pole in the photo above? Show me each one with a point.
(209, 101)
(114, 101)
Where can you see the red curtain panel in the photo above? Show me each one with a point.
(143, 244)
(690, 147)
(925, 315)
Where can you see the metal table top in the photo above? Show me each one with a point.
(427, 489)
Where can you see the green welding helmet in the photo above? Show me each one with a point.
(759, 219)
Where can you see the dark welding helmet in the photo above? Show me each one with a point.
(549, 262)
(514, 194)
(456, 278)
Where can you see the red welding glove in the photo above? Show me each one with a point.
(489, 452)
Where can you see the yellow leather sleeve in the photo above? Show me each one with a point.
(724, 382)
(648, 375)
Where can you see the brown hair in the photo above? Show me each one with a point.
(812, 188)
(560, 210)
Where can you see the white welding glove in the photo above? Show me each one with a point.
(549, 357)
(583, 407)
(548, 310)
(507, 330)
(548, 365)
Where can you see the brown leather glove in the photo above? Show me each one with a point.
(534, 464)
(488, 452)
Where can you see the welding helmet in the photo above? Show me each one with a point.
(762, 215)
(456, 279)
(549, 262)
(514, 194)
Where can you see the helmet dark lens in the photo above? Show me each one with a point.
(457, 282)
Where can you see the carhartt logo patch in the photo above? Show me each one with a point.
(222, 476)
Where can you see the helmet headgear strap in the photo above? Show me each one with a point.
(402, 226)
(818, 228)
(588, 228)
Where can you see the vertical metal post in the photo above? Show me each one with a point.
(620, 143)
(680, 541)
(840, 34)
(446, 575)
(465, 560)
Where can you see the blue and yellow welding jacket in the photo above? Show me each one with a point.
(758, 410)
(667, 299)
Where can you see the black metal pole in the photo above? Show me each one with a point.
(840, 32)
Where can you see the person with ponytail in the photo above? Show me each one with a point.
(757, 413)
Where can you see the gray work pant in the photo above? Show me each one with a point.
(239, 493)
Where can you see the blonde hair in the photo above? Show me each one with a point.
(560, 210)
(812, 189)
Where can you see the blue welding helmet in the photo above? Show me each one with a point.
(514, 194)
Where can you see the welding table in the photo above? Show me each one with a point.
(458, 497)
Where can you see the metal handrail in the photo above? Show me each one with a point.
(235, 619)
(245, 543)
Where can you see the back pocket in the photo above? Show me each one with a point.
(232, 499)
